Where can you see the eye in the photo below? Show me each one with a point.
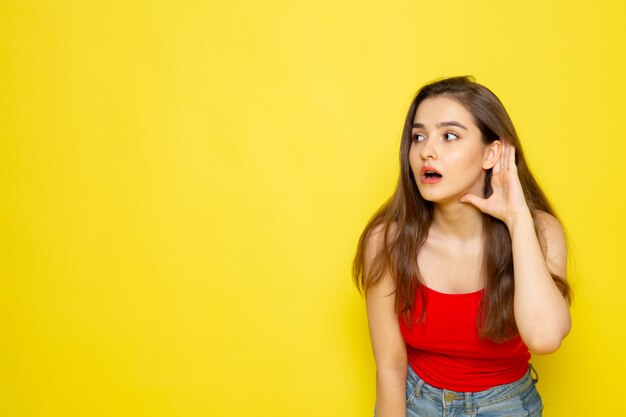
(417, 137)
(450, 136)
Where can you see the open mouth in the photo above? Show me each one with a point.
(432, 174)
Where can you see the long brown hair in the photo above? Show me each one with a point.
(406, 218)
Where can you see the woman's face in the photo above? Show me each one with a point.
(447, 156)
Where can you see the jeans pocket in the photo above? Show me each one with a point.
(532, 402)
(410, 392)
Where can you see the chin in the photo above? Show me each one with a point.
(442, 198)
(437, 199)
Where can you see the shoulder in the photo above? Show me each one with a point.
(376, 257)
(547, 220)
(552, 240)
(376, 237)
(549, 226)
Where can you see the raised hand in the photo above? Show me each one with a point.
(507, 200)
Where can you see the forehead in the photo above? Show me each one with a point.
(439, 109)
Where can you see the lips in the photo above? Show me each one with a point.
(429, 175)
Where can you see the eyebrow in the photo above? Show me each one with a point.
(441, 124)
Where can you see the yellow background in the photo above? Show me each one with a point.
(183, 184)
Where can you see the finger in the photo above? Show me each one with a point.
(498, 166)
(480, 203)
(512, 158)
(502, 157)
(505, 156)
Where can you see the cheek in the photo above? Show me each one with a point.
(468, 161)
(413, 158)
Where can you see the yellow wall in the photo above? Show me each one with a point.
(183, 184)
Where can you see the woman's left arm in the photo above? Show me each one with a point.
(541, 312)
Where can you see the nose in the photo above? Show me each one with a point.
(428, 150)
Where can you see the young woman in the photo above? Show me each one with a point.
(464, 267)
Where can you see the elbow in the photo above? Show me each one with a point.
(546, 344)
(392, 372)
(394, 368)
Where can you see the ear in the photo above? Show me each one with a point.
(492, 154)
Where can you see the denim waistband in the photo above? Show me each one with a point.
(496, 394)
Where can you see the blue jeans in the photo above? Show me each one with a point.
(517, 399)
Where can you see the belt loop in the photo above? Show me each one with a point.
(468, 403)
(533, 372)
(418, 388)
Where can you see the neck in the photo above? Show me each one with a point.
(459, 221)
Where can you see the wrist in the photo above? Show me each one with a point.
(522, 216)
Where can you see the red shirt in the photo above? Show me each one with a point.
(446, 352)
